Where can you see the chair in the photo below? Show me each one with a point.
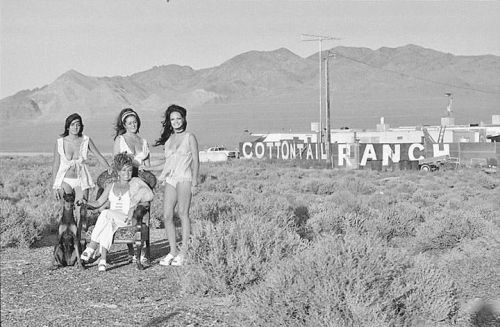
(131, 235)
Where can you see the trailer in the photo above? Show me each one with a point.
(439, 162)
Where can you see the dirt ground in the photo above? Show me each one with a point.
(33, 294)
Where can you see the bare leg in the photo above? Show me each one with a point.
(170, 198)
(184, 202)
(104, 254)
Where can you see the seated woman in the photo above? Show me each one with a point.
(123, 196)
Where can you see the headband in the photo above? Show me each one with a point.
(128, 113)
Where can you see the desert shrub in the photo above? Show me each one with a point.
(446, 229)
(474, 264)
(398, 189)
(156, 210)
(27, 206)
(214, 206)
(17, 227)
(270, 205)
(356, 185)
(233, 254)
(325, 219)
(350, 281)
(397, 220)
(264, 205)
(430, 293)
(423, 198)
(214, 183)
(339, 212)
(310, 186)
(486, 181)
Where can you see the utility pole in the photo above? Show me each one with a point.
(450, 101)
(328, 140)
(320, 39)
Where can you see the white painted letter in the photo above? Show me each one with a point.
(293, 154)
(388, 154)
(259, 153)
(323, 151)
(285, 150)
(270, 148)
(245, 153)
(411, 151)
(300, 146)
(309, 151)
(368, 154)
(344, 151)
(438, 152)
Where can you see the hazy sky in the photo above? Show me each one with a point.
(42, 39)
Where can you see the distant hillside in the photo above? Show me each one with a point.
(358, 74)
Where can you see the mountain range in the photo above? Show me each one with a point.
(278, 90)
(356, 72)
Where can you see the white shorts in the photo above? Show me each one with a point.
(73, 182)
(175, 180)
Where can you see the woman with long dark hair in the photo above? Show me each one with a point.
(70, 172)
(180, 174)
(128, 140)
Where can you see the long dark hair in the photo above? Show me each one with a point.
(70, 118)
(120, 121)
(167, 126)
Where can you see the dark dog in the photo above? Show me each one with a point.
(67, 250)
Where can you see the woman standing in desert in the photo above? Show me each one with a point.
(69, 170)
(180, 174)
(128, 140)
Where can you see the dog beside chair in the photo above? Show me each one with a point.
(68, 248)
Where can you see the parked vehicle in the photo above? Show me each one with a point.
(439, 162)
(231, 154)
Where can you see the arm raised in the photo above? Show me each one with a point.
(98, 154)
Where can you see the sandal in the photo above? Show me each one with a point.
(167, 260)
(102, 265)
(144, 260)
(88, 254)
(178, 260)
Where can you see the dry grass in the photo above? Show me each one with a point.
(315, 247)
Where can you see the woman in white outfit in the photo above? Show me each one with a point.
(123, 196)
(128, 140)
(70, 172)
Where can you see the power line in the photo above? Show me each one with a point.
(418, 78)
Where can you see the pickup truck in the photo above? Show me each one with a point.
(231, 154)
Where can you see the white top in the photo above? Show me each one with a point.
(119, 203)
(139, 156)
(65, 164)
(178, 160)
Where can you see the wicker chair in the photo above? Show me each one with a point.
(138, 234)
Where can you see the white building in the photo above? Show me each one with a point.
(405, 134)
